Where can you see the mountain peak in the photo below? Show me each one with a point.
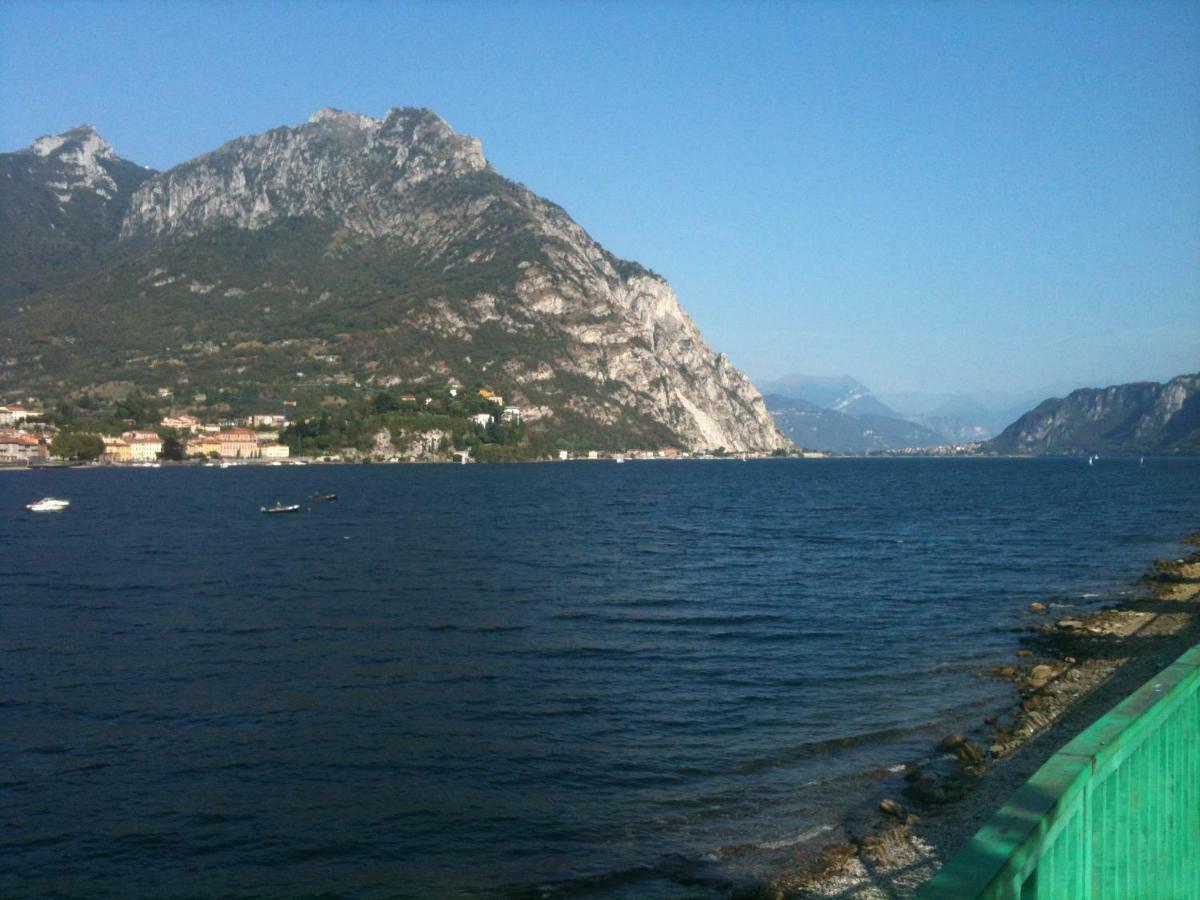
(82, 140)
(338, 166)
(77, 159)
(341, 117)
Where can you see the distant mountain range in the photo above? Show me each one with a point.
(841, 414)
(839, 393)
(1140, 418)
(815, 428)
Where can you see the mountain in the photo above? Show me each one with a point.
(350, 254)
(963, 420)
(955, 429)
(62, 202)
(816, 428)
(962, 417)
(1144, 417)
(838, 392)
(840, 413)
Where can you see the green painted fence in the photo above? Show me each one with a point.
(1114, 814)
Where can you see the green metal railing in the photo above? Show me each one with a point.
(1114, 814)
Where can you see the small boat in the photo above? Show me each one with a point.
(48, 504)
(324, 498)
(620, 459)
(282, 508)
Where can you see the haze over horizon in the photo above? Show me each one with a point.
(930, 198)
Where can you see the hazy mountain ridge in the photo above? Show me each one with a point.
(952, 417)
(817, 428)
(840, 413)
(352, 250)
(836, 392)
(1143, 417)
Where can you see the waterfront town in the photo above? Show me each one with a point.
(26, 439)
(30, 437)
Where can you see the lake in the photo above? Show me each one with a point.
(651, 680)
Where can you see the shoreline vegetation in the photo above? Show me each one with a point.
(1070, 670)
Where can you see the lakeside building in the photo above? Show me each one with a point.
(207, 445)
(20, 447)
(144, 446)
(511, 414)
(238, 443)
(116, 450)
(483, 420)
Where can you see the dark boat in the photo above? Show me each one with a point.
(324, 498)
(282, 508)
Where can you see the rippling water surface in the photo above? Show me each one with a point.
(572, 680)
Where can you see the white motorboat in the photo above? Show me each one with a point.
(282, 508)
(48, 504)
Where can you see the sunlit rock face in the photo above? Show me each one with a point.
(338, 164)
(1144, 417)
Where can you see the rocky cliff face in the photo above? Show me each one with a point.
(338, 165)
(1144, 417)
(388, 251)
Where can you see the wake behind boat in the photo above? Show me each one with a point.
(282, 508)
(48, 504)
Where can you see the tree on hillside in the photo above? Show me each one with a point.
(137, 408)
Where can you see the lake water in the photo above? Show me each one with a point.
(560, 680)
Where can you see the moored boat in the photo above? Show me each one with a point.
(48, 504)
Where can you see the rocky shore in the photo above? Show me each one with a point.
(1069, 672)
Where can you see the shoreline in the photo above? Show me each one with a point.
(1069, 671)
(56, 465)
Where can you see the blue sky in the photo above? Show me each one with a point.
(928, 196)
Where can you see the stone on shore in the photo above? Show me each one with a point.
(951, 742)
(1040, 676)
